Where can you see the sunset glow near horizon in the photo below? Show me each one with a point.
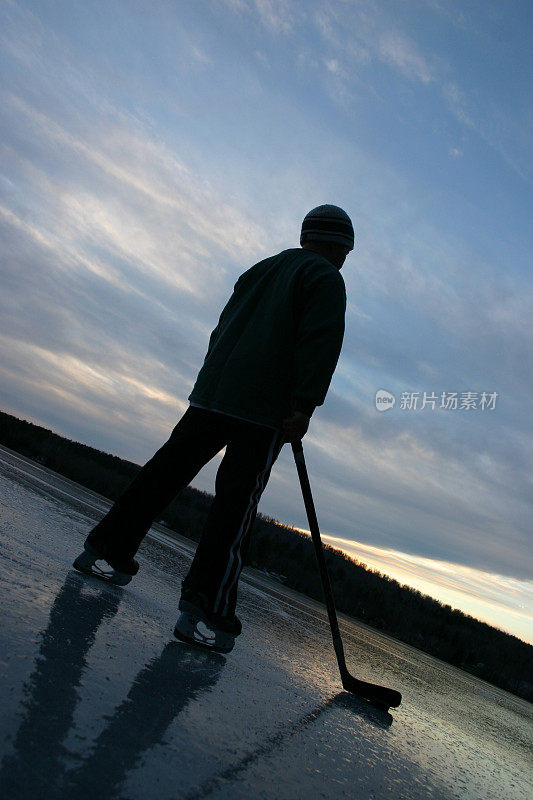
(151, 152)
(498, 600)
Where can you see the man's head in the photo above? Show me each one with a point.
(328, 230)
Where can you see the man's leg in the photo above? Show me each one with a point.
(197, 437)
(242, 476)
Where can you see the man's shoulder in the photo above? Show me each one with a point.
(319, 268)
(295, 261)
(308, 258)
(290, 254)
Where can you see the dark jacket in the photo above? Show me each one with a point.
(277, 341)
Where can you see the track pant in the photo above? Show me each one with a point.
(251, 450)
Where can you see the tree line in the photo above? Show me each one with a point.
(364, 594)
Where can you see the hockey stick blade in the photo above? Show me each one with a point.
(379, 696)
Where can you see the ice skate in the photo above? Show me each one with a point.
(107, 568)
(196, 625)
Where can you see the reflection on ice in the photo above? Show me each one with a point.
(50, 695)
(158, 693)
(97, 700)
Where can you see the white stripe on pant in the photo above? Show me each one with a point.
(235, 558)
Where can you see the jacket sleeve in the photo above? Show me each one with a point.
(319, 335)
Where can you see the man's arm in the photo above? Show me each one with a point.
(319, 336)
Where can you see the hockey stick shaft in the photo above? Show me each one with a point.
(380, 695)
(297, 449)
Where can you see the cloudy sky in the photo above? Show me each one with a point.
(153, 151)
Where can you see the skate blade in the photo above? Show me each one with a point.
(87, 564)
(193, 630)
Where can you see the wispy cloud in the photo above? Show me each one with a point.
(397, 51)
(138, 203)
(360, 34)
(363, 34)
(275, 15)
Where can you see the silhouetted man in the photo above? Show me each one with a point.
(269, 363)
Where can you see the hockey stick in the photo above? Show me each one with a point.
(378, 695)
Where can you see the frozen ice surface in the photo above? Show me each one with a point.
(99, 701)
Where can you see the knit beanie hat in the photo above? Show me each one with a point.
(327, 224)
